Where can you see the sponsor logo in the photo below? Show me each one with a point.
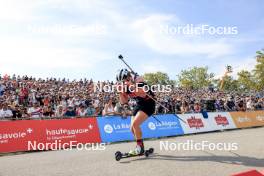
(108, 128)
(62, 131)
(16, 135)
(118, 128)
(195, 122)
(260, 118)
(221, 120)
(243, 119)
(152, 126)
(162, 125)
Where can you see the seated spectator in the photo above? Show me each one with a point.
(178, 107)
(46, 101)
(70, 112)
(160, 109)
(35, 112)
(240, 106)
(47, 111)
(259, 104)
(119, 109)
(229, 105)
(17, 112)
(24, 112)
(59, 111)
(108, 108)
(249, 104)
(82, 111)
(96, 105)
(91, 111)
(185, 108)
(197, 107)
(5, 112)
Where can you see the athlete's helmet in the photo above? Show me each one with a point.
(122, 74)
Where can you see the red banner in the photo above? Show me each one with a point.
(44, 134)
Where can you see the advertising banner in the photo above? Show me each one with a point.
(221, 120)
(27, 135)
(83, 130)
(168, 125)
(195, 123)
(248, 119)
(115, 128)
(15, 135)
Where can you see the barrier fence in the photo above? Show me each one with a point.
(23, 135)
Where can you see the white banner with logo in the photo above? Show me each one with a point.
(221, 120)
(195, 123)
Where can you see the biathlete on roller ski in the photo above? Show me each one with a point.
(145, 106)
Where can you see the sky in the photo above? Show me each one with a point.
(83, 38)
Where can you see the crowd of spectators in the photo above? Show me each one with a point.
(28, 97)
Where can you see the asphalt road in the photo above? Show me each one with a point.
(249, 155)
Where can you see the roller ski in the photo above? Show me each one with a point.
(133, 153)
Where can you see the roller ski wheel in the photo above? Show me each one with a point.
(118, 155)
(146, 153)
(151, 150)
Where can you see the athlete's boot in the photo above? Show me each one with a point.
(137, 151)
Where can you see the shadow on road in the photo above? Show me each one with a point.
(238, 159)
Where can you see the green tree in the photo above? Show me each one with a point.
(196, 77)
(246, 80)
(259, 70)
(230, 84)
(157, 78)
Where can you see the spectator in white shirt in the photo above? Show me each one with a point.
(249, 104)
(59, 111)
(109, 108)
(82, 111)
(5, 112)
(35, 112)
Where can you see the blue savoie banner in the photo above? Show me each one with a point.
(114, 128)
